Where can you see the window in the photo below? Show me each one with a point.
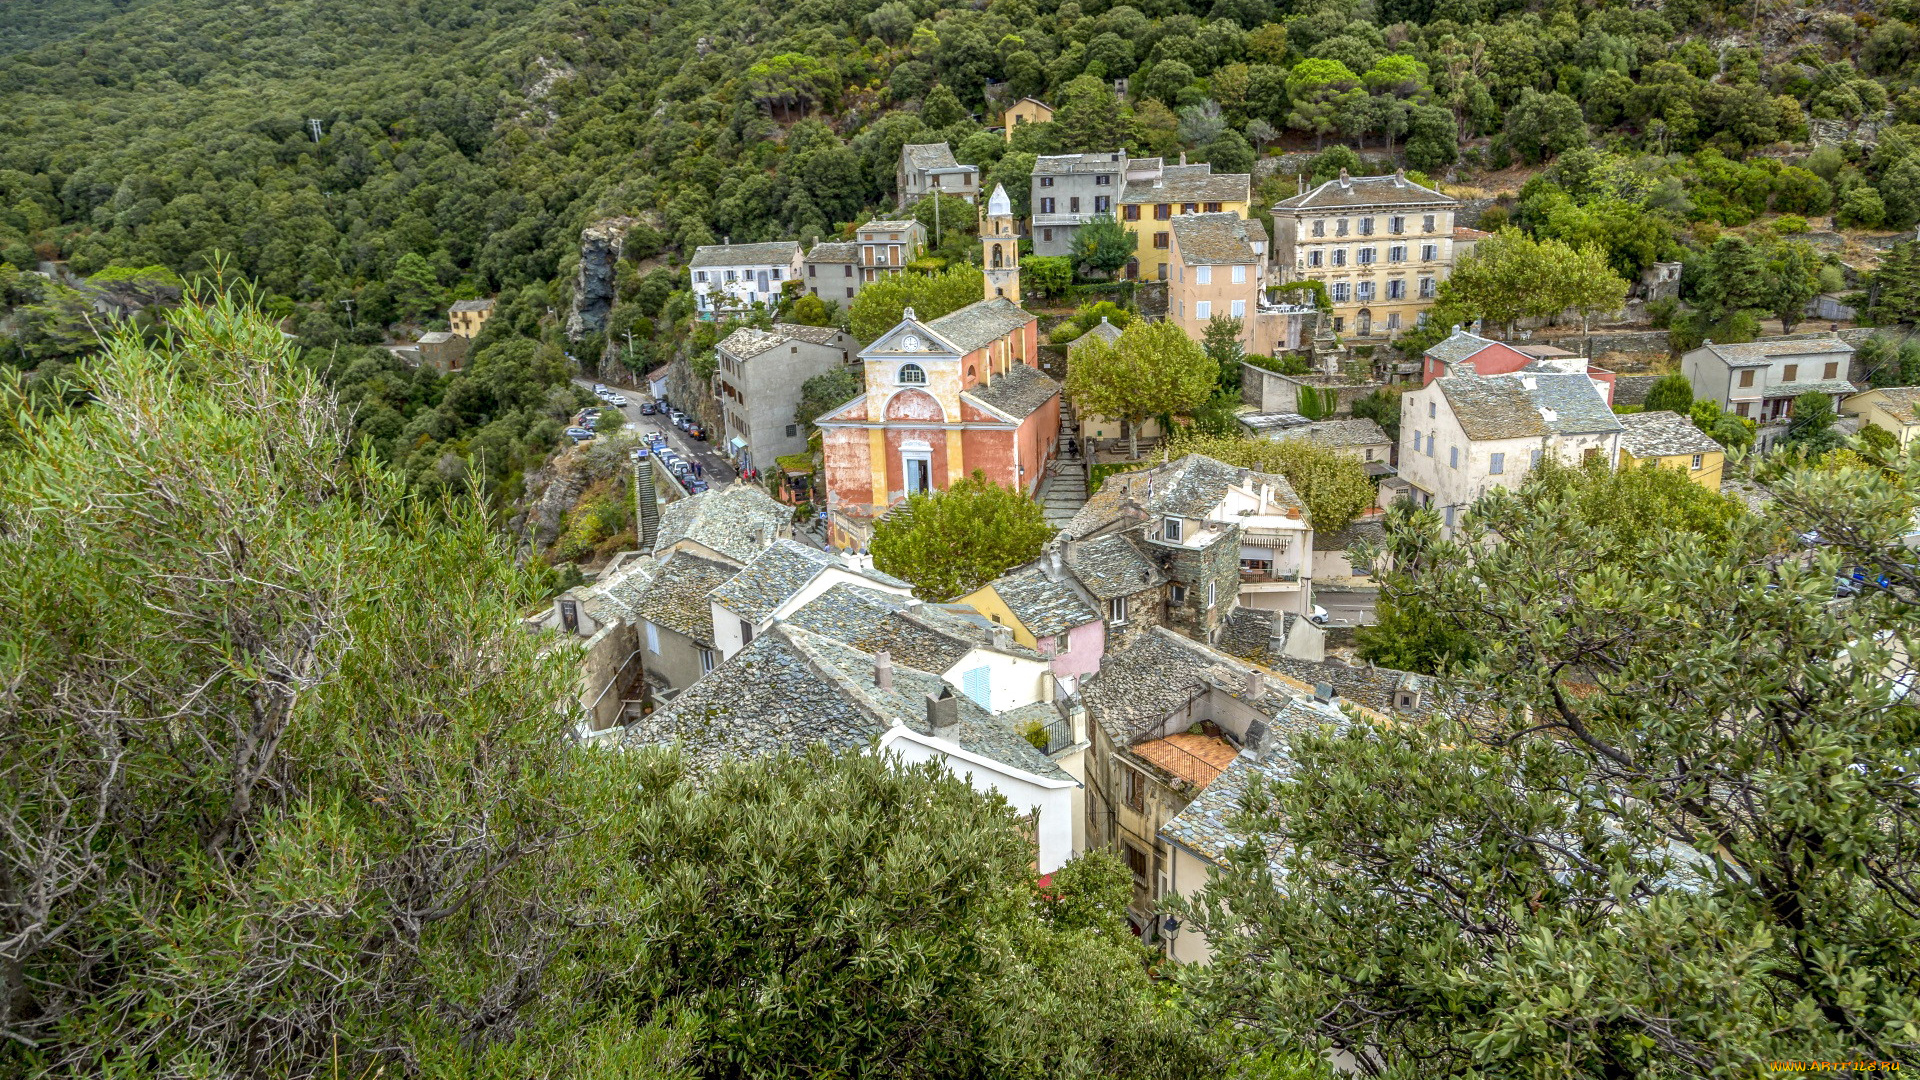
(1397, 253)
(700, 276)
(1433, 410)
(1213, 208)
(1320, 228)
(1741, 408)
(1364, 256)
(1791, 373)
(1203, 275)
(1393, 320)
(1117, 611)
(730, 277)
(1177, 595)
(849, 292)
(1746, 377)
(1046, 181)
(1102, 203)
(1239, 275)
(776, 275)
(746, 632)
(1453, 457)
(1699, 460)
(1535, 463)
(913, 375)
(1426, 288)
(1211, 595)
(1073, 204)
(1046, 235)
(1429, 252)
(1103, 180)
(1340, 227)
(1430, 442)
(846, 270)
(653, 639)
(1449, 517)
(1203, 309)
(1137, 859)
(1046, 205)
(793, 430)
(1314, 257)
(1396, 225)
(1162, 211)
(812, 270)
(706, 661)
(1189, 208)
(1397, 289)
(1426, 223)
(977, 684)
(1342, 292)
(1131, 212)
(1363, 291)
(1339, 256)
(1416, 442)
(1833, 371)
(1239, 309)
(1366, 226)
(1170, 530)
(1497, 464)
(1160, 240)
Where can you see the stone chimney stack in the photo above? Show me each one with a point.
(943, 713)
(883, 670)
(1256, 687)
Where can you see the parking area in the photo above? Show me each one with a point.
(713, 467)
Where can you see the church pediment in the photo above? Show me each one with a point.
(910, 340)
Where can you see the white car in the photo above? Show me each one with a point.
(618, 401)
(1319, 615)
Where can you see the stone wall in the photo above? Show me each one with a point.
(1272, 392)
(1219, 563)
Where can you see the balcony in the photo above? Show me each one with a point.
(1284, 579)
(1062, 219)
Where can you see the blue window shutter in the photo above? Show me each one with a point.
(977, 685)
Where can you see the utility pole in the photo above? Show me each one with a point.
(629, 349)
(348, 304)
(313, 125)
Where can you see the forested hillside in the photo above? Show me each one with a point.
(28, 24)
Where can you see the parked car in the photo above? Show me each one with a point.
(579, 434)
(1319, 615)
(695, 431)
(601, 389)
(646, 408)
(618, 401)
(696, 486)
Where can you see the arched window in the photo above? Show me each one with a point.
(912, 374)
(996, 256)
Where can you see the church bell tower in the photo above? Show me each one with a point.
(1000, 247)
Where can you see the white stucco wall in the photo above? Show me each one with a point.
(1054, 799)
(1187, 875)
(1448, 485)
(1013, 681)
(726, 623)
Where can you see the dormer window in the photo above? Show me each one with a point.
(1170, 530)
(913, 375)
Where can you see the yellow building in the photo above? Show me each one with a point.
(467, 317)
(1156, 194)
(1672, 441)
(1381, 244)
(1894, 408)
(1026, 111)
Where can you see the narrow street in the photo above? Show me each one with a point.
(716, 468)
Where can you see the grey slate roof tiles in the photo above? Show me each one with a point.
(1196, 184)
(1336, 434)
(1045, 607)
(676, 598)
(1357, 191)
(772, 253)
(848, 613)
(833, 251)
(932, 156)
(1456, 347)
(1663, 434)
(1017, 392)
(1188, 487)
(472, 305)
(777, 573)
(1204, 826)
(731, 520)
(1217, 238)
(1504, 407)
(1760, 352)
(1112, 565)
(1810, 386)
(980, 323)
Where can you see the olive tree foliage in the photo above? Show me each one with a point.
(1665, 821)
(1334, 486)
(1150, 369)
(949, 543)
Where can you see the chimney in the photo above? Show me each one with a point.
(883, 670)
(943, 713)
(1049, 686)
(1255, 687)
(1001, 636)
(728, 240)
(1323, 693)
(1293, 512)
(1183, 157)
(1400, 177)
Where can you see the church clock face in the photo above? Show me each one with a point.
(910, 343)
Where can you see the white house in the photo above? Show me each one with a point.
(730, 278)
(1463, 435)
(1760, 379)
(780, 580)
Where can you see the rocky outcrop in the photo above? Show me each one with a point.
(593, 292)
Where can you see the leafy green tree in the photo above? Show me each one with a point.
(1897, 292)
(1670, 393)
(1793, 272)
(1540, 126)
(1104, 245)
(1149, 370)
(1046, 275)
(1090, 118)
(941, 109)
(1382, 406)
(1730, 430)
(1811, 427)
(1334, 486)
(1511, 275)
(1221, 341)
(878, 306)
(949, 543)
(1317, 88)
(1326, 164)
(1608, 868)
(826, 392)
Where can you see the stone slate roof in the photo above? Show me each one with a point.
(1663, 434)
(926, 636)
(890, 224)
(980, 323)
(1203, 826)
(1045, 607)
(848, 613)
(731, 520)
(931, 157)
(1762, 352)
(1246, 631)
(1456, 347)
(676, 598)
(1217, 238)
(1189, 487)
(773, 253)
(791, 688)
(1159, 671)
(1112, 566)
(834, 252)
(1899, 400)
(775, 574)
(1102, 331)
(1355, 191)
(1334, 434)
(1503, 407)
(1271, 425)
(817, 335)
(1632, 389)
(1095, 162)
(1803, 386)
(472, 305)
(1195, 184)
(1372, 687)
(1017, 392)
(748, 342)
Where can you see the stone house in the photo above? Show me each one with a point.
(779, 581)
(1895, 409)
(887, 246)
(1358, 438)
(1070, 190)
(759, 378)
(734, 278)
(1462, 435)
(1464, 353)
(1760, 379)
(1381, 244)
(1048, 610)
(1157, 194)
(1671, 441)
(674, 621)
(442, 351)
(466, 317)
(926, 168)
(1220, 269)
(729, 524)
(832, 272)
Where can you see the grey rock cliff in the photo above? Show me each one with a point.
(600, 247)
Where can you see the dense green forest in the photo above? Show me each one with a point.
(464, 144)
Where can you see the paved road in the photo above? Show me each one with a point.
(716, 468)
(1346, 606)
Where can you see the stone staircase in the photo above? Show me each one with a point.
(1064, 489)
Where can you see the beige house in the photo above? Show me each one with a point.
(1220, 269)
(1381, 244)
(887, 246)
(467, 317)
(1894, 408)
(1671, 441)
(1027, 111)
